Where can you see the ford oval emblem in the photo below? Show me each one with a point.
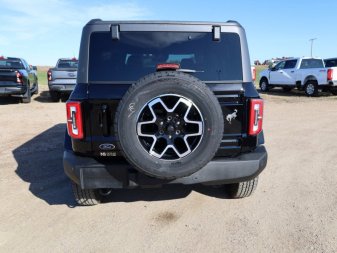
(107, 146)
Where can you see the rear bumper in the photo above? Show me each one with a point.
(13, 90)
(333, 84)
(91, 174)
(63, 88)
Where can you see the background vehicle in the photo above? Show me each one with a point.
(154, 104)
(62, 78)
(34, 69)
(17, 78)
(308, 74)
(253, 69)
(331, 63)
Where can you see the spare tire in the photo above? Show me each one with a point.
(169, 125)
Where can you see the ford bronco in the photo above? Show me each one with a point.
(163, 103)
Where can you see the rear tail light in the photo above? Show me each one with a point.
(49, 75)
(330, 74)
(74, 120)
(19, 77)
(255, 116)
(253, 73)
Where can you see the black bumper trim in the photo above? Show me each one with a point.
(64, 88)
(13, 90)
(91, 174)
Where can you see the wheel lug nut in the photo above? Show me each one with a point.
(170, 136)
(161, 132)
(178, 123)
(169, 118)
(161, 123)
(178, 132)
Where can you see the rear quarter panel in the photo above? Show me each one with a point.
(319, 74)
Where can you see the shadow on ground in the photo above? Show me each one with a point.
(9, 100)
(293, 93)
(44, 97)
(39, 162)
(167, 192)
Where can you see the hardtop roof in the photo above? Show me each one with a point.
(163, 22)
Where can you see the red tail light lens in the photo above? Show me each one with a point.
(330, 74)
(74, 120)
(254, 73)
(49, 75)
(168, 66)
(19, 77)
(255, 116)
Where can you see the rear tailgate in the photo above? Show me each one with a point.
(7, 77)
(104, 99)
(114, 66)
(67, 76)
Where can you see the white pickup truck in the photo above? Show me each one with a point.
(308, 74)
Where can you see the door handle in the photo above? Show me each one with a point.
(292, 71)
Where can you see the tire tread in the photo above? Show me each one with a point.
(85, 197)
(242, 189)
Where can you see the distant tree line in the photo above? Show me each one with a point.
(271, 61)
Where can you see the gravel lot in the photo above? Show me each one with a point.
(293, 209)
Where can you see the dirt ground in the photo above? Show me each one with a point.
(292, 210)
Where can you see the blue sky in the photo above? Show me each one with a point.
(42, 31)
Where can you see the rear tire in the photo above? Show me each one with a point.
(311, 88)
(36, 89)
(86, 197)
(264, 85)
(27, 97)
(242, 189)
(55, 96)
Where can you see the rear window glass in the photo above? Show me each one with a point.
(311, 63)
(331, 63)
(137, 54)
(11, 64)
(67, 64)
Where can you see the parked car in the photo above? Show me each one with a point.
(308, 74)
(163, 103)
(17, 78)
(331, 63)
(62, 78)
